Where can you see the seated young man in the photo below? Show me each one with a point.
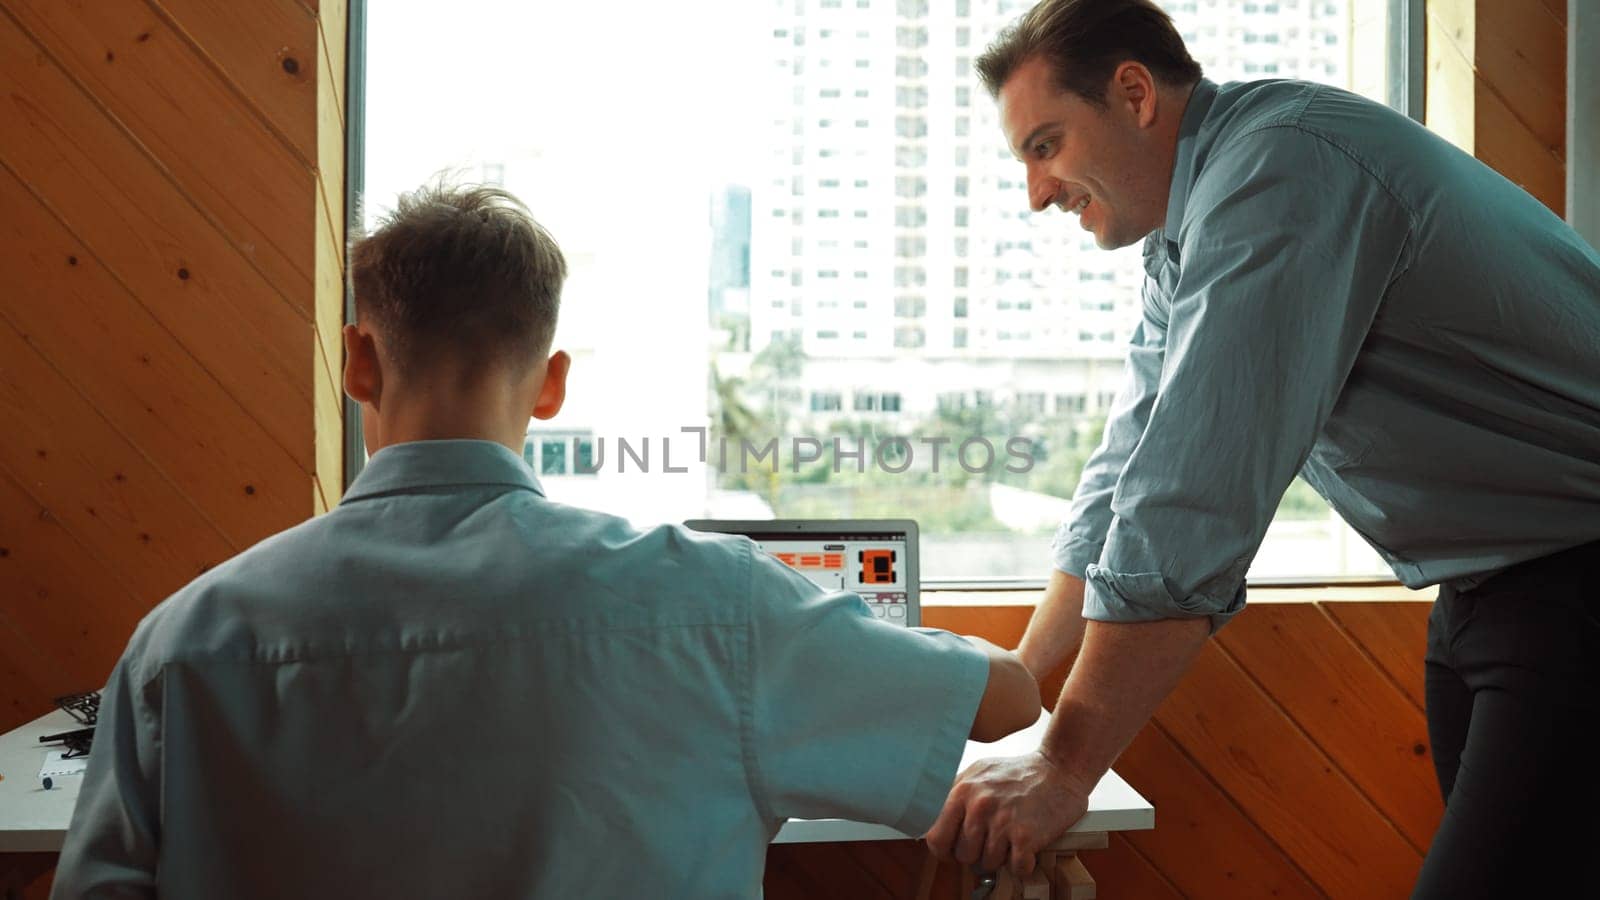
(450, 686)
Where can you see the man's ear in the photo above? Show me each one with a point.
(363, 374)
(1134, 88)
(554, 391)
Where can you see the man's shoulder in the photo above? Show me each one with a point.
(192, 621)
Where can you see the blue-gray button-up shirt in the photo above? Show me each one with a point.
(1339, 292)
(451, 687)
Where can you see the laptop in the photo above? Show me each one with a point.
(875, 558)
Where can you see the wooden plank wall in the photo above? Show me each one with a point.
(1292, 761)
(1497, 87)
(171, 233)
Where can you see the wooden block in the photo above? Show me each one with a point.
(1071, 879)
(1036, 885)
(1092, 840)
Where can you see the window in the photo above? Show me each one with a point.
(910, 337)
(825, 401)
(943, 267)
(552, 458)
(559, 453)
(910, 307)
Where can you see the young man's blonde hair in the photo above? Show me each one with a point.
(461, 274)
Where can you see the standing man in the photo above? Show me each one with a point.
(1332, 291)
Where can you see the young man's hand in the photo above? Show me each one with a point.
(1004, 811)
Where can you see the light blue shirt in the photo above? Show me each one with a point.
(1339, 292)
(451, 687)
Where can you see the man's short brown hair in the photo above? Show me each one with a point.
(1085, 40)
(459, 273)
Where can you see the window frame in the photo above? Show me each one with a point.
(1405, 92)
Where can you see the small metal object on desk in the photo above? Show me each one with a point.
(985, 882)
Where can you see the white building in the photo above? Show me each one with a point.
(890, 231)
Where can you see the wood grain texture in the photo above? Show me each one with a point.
(220, 153)
(267, 50)
(149, 389)
(1522, 56)
(1203, 843)
(62, 601)
(1347, 706)
(1121, 873)
(166, 396)
(1507, 145)
(1280, 779)
(1497, 88)
(1394, 635)
(185, 274)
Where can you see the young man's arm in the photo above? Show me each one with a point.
(1056, 629)
(113, 841)
(1010, 699)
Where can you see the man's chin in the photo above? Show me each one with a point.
(1108, 239)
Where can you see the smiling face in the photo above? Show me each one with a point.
(1110, 166)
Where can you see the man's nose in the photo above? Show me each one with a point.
(1041, 190)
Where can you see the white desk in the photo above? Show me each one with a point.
(32, 819)
(1113, 805)
(35, 820)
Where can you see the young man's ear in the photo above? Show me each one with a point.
(554, 392)
(363, 375)
(1134, 86)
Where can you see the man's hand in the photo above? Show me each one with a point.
(1007, 810)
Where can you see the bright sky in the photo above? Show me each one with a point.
(626, 95)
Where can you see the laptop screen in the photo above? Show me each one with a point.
(875, 560)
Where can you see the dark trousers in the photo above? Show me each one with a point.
(1513, 690)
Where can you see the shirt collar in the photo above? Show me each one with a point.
(1183, 166)
(418, 465)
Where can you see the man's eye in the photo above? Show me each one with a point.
(1042, 149)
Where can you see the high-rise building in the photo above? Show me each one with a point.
(891, 233)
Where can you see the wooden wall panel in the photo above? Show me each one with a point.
(1348, 707)
(1497, 87)
(148, 387)
(1395, 636)
(155, 241)
(171, 254)
(1263, 781)
(268, 50)
(158, 85)
(60, 596)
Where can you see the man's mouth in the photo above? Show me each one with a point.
(1068, 204)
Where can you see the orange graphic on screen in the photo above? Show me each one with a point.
(877, 566)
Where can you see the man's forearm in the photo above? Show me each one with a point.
(1122, 674)
(1056, 628)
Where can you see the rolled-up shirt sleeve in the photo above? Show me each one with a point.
(1287, 247)
(1081, 536)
